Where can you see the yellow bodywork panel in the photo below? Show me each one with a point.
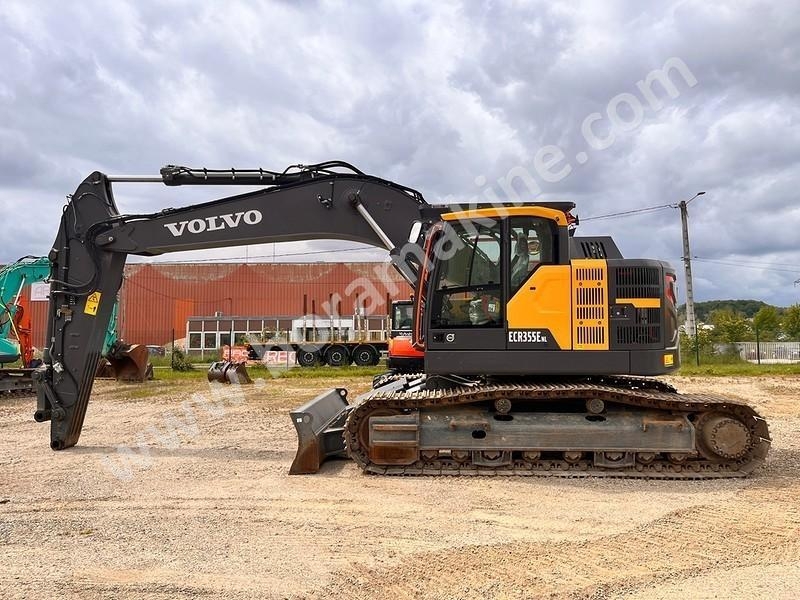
(590, 304)
(641, 302)
(507, 211)
(543, 302)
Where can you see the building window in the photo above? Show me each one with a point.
(210, 340)
(194, 341)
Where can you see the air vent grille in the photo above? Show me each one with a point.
(590, 296)
(637, 282)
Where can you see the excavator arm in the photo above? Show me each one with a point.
(325, 201)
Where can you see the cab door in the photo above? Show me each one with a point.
(539, 310)
(467, 299)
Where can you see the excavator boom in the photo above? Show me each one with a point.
(326, 201)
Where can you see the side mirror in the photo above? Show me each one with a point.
(416, 229)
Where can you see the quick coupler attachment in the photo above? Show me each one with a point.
(320, 430)
(229, 372)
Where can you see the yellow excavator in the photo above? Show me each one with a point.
(539, 345)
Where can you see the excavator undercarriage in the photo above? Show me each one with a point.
(567, 427)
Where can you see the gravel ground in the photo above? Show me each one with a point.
(210, 511)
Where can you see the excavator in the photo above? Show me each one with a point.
(403, 355)
(123, 361)
(15, 319)
(540, 346)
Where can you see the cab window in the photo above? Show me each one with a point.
(531, 242)
(403, 317)
(468, 283)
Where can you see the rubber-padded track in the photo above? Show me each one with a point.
(629, 391)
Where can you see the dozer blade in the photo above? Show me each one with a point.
(129, 363)
(229, 372)
(320, 430)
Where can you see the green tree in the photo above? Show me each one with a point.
(701, 344)
(180, 362)
(768, 323)
(730, 326)
(790, 325)
(703, 310)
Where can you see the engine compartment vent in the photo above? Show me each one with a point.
(590, 302)
(637, 282)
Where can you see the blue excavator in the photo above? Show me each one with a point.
(120, 361)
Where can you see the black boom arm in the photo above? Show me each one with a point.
(88, 257)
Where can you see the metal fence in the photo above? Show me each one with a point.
(769, 352)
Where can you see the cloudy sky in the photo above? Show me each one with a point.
(617, 106)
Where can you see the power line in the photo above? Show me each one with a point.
(628, 213)
(743, 265)
(752, 262)
(249, 257)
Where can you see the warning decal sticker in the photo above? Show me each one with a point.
(92, 302)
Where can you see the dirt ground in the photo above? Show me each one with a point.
(211, 512)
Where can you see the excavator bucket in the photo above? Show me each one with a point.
(320, 430)
(229, 372)
(127, 363)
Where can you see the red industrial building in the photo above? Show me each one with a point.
(157, 298)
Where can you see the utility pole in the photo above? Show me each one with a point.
(691, 326)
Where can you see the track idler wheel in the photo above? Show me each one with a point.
(724, 436)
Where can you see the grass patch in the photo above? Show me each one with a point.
(738, 368)
(167, 374)
(317, 372)
(258, 371)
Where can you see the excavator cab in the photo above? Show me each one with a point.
(403, 356)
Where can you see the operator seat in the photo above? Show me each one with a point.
(519, 264)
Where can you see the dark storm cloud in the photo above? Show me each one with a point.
(450, 99)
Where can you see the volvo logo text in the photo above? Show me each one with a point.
(215, 223)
